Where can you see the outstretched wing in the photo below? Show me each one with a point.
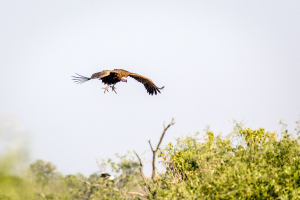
(149, 85)
(107, 77)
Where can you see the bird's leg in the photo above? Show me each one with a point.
(113, 88)
(105, 89)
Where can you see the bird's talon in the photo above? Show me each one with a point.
(113, 88)
(105, 89)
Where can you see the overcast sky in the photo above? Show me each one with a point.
(218, 60)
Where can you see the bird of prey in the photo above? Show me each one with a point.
(111, 77)
(107, 176)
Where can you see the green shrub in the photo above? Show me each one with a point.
(260, 167)
(247, 164)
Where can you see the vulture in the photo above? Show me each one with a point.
(112, 77)
(107, 176)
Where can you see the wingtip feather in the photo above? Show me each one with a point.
(79, 79)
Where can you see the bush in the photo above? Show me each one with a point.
(261, 166)
(247, 164)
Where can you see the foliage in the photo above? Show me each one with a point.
(247, 164)
(43, 172)
(265, 167)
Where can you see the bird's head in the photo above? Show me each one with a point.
(124, 79)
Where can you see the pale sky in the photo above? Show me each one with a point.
(218, 60)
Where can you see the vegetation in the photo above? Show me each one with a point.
(247, 164)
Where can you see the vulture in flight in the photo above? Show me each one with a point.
(111, 77)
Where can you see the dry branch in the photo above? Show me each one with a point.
(154, 152)
(142, 174)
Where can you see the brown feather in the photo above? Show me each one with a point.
(114, 76)
(148, 83)
(107, 76)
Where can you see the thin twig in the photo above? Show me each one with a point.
(141, 166)
(141, 172)
(150, 145)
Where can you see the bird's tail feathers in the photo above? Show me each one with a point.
(80, 79)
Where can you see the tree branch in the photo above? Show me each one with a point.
(141, 166)
(141, 172)
(115, 189)
(164, 132)
(159, 143)
(150, 145)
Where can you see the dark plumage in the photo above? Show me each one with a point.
(105, 175)
(111, 77)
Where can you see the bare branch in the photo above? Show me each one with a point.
(150, 145)
(153, 164)
(130, 193)
(164, 132)
(141, 172)
(159, 143)
(141, 167)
